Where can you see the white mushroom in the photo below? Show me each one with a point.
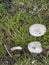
(34, 62)
(37, 30)
(16, 48)
(35, 47)
(9, 50)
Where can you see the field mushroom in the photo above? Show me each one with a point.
(16, 48)
(37, 30)
(35, 47)
(10, 50)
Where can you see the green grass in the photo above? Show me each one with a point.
(15, 22)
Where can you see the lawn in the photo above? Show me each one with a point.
(15, 20)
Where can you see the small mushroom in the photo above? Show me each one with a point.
(37, 30)
(16, 48)
(35, 47)
(34, 62)
(10, 50)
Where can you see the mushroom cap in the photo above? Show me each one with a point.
(35, 47)
(37, 30)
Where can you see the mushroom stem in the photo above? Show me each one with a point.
(16, 48)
